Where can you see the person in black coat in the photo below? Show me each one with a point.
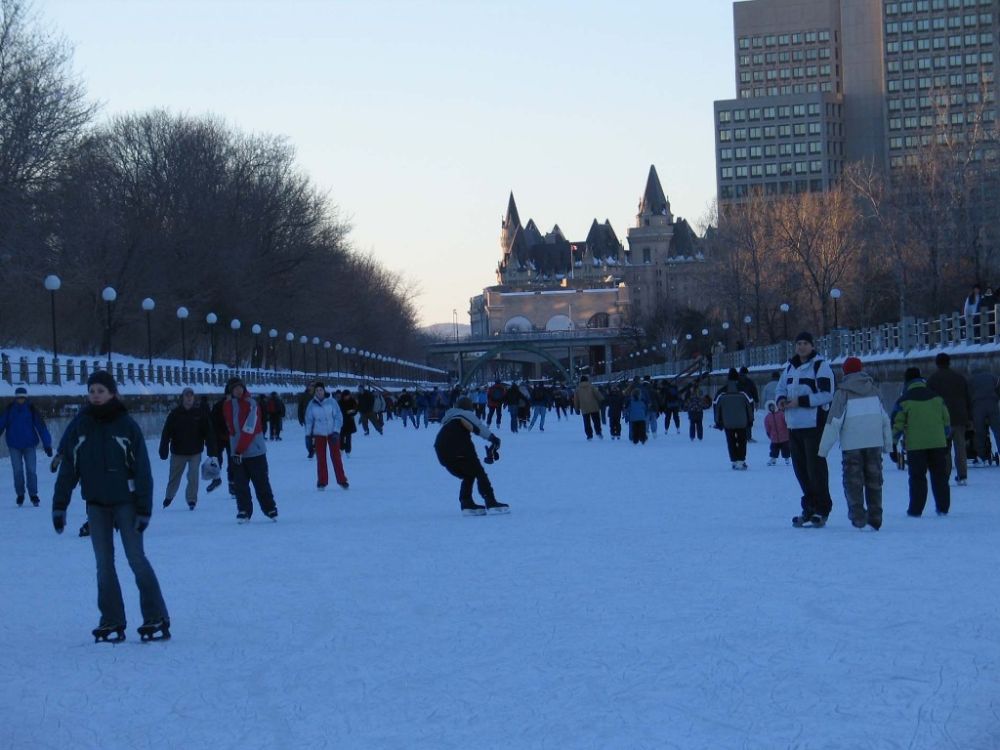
(349, 407)
(275, 412)
(616, 403)
(456, 453)
(185, 434)
(108, 459)
(304, 398)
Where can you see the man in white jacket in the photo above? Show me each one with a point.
(857, 420)
(324, 420)
(804, 393)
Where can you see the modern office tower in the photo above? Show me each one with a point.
(940, 72)
(870, 80)
(784, 133)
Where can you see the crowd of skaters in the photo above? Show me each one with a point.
(938, 424)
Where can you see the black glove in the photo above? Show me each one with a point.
(59, 520)
(48, 451)
(495, 442)
(54, 466)
(804, 402)
(164, 455)
(237, 459)
(141, 523)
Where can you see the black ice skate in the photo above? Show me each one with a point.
(109, 633)
(471, 508)
(809, 520)
(494, 507)
(157, 630)
(214, 484)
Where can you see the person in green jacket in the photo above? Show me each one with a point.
(921, 418)
(106, 454)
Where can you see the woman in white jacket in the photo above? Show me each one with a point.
(857, 420)
(324, 420)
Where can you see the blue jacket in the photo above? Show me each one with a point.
(24, 427)
(637, 410)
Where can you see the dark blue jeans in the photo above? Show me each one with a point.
(103, 522)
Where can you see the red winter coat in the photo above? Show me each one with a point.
(245, 430)
(775, 427)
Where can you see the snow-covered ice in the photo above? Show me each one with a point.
(636, 597)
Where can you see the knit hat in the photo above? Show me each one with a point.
(732, 374)
(103, 377)
(20, 391)
(942, 360)
(852, 365)
(912, 373)
(804, 336)
(233, 382)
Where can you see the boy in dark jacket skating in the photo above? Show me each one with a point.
(185, 434)
(455, 452)
(733, 413)
(106, 454)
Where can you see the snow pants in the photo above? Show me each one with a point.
(918, 463)
(498, 411)
(615, 422)
(252, 470)
(470, 471)
(323, 444)
(592, 424)
(696, 424)
(103, 520)
(736, 442)
(863, 485)
(811, 471)
(637, 432)
(781, 449)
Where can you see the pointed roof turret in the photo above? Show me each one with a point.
(512, 219)
(654, 201)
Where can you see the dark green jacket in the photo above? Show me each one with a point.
(105, 452)
(921, 417)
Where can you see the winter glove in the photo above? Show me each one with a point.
(804, 402)
(495, 442)
(164, 455)
(54, 465)
(141, 523)
(237, 459)
(59, 520)
(48, 451)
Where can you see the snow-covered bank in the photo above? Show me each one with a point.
(636, 597)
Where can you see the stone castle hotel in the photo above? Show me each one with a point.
(547, 282)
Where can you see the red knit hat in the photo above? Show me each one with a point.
(852, 365)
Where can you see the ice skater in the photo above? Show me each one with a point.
(457, 454)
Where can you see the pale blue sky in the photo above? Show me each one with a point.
(420, 117)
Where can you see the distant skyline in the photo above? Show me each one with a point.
(420, 118)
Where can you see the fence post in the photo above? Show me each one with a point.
(24, 369)
(70, 371)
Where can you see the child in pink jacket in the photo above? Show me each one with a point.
(777, 432)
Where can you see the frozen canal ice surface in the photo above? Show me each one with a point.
(636, 597)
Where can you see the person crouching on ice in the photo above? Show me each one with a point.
(457, 454)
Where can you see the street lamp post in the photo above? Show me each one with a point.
(236, 325)
(747, 320)
(290, 338)
(326, 347)
(52, 283)
(272, 348)
(835, 294)
(339, 348)
(784, 317)
(303, 340)
(212, 319)
(148, 305)
(673, 343)
(257, 355)
(316, 353)
(109, 295)
(182, 313)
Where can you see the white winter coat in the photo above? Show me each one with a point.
(812, 383)
(857, 418)
(324, 417)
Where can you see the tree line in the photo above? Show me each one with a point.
(187, 210)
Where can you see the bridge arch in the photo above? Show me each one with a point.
(511, 346)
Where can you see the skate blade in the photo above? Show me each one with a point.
(474, 511)
(159, 636)
(497, 511)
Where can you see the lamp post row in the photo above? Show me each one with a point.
(53, 283)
